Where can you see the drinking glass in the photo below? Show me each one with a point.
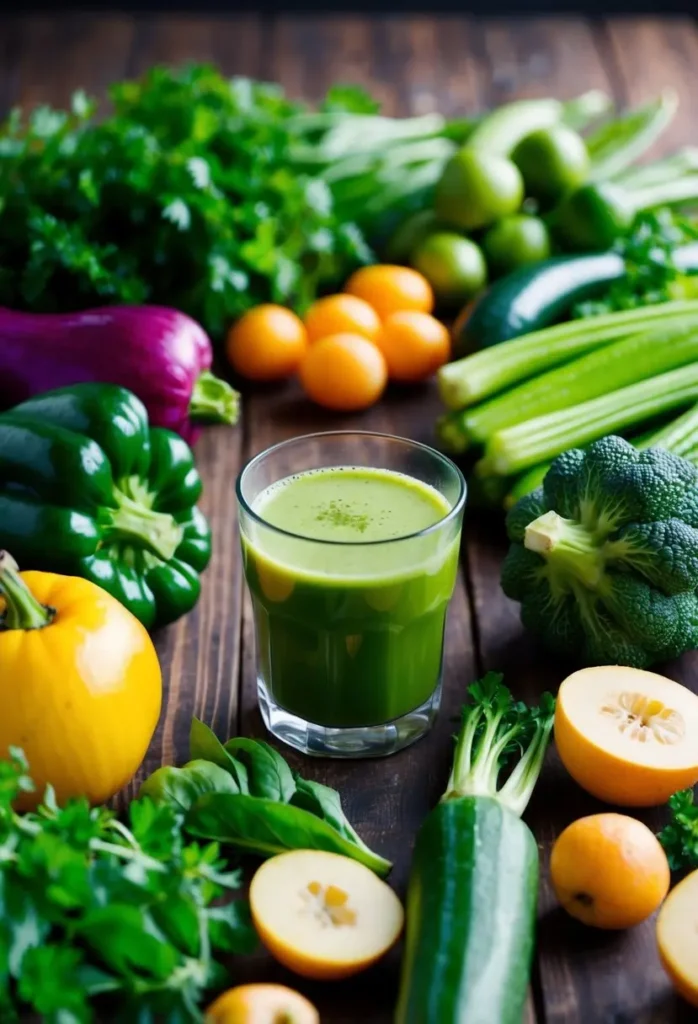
(349, 635)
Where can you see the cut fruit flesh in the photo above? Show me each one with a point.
(627, 736)
(263, 1003)
(677, 928)
(323, 915)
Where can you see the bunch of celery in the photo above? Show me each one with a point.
(622, 372)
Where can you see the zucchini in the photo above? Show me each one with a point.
(471, 897)
(533, 297)
(542, 294)
(471, 907)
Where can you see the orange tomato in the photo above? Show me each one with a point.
(267, 343)
(344, 372)
(609, 871)
(415, 345)
(263, 1003)
(341, 314)
(391, 289)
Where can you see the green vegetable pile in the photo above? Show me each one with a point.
(526, 183)
(207, 194)
(626, 363)
(604, 556)
(101, 920)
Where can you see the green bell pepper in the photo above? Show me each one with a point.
(88, 489)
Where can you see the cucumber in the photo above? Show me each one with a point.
(535, 297)
(471, 909)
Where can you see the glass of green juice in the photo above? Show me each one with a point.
(350, 545)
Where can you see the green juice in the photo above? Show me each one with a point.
(350, 628)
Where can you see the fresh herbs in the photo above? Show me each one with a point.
(244, 794)
(90, 908)
(680, 837)
(182, 196)
(652, 273)
(495, 728)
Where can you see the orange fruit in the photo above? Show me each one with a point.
(263, 1003)
(677, 925)
(415, 345)
(344, 372)
(609, 871)
(323, 915)
(341, 314)
(391, 289)
(627, 736)
(266, 343)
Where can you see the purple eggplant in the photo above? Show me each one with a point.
(160, 354)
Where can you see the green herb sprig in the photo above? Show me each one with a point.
(102, 921)
(680, 836)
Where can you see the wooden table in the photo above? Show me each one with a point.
(413, 65)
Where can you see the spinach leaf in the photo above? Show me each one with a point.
(183, 786)
(325, 803)
(268, 774)
(266, 828)
(205, 745)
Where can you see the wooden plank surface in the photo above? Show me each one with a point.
(416, 64)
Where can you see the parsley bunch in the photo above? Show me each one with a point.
(652, 274)
(99, 921)
(680, 836)
(184, 196)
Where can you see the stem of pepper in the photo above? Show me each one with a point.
(213, 400)
(22, 610)
(133, 522)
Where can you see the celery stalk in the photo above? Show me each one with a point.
(516, 448)
(606, 369)
(491, 370)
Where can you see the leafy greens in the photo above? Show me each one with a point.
(182, 196)
(272, 810)
(98, 920)
(680, 836)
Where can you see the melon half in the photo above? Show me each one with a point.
(627, 736)
(323, 915)
(677, 927)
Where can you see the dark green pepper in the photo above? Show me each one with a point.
(87, 488)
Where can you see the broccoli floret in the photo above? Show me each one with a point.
(604, 557)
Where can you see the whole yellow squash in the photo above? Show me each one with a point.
(80, 684)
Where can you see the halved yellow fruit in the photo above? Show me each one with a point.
(323, 915)
(626, 736)
(677, 926)
(261, 1004)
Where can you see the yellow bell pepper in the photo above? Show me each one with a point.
(80, 684)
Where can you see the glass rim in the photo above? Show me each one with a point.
(452, 513)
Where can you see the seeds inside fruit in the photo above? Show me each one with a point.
(328, 905)
(645, 719)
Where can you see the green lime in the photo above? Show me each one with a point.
(515, 241)
(410, 234)
(477, 189)
(553, 161)
(454, 267)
